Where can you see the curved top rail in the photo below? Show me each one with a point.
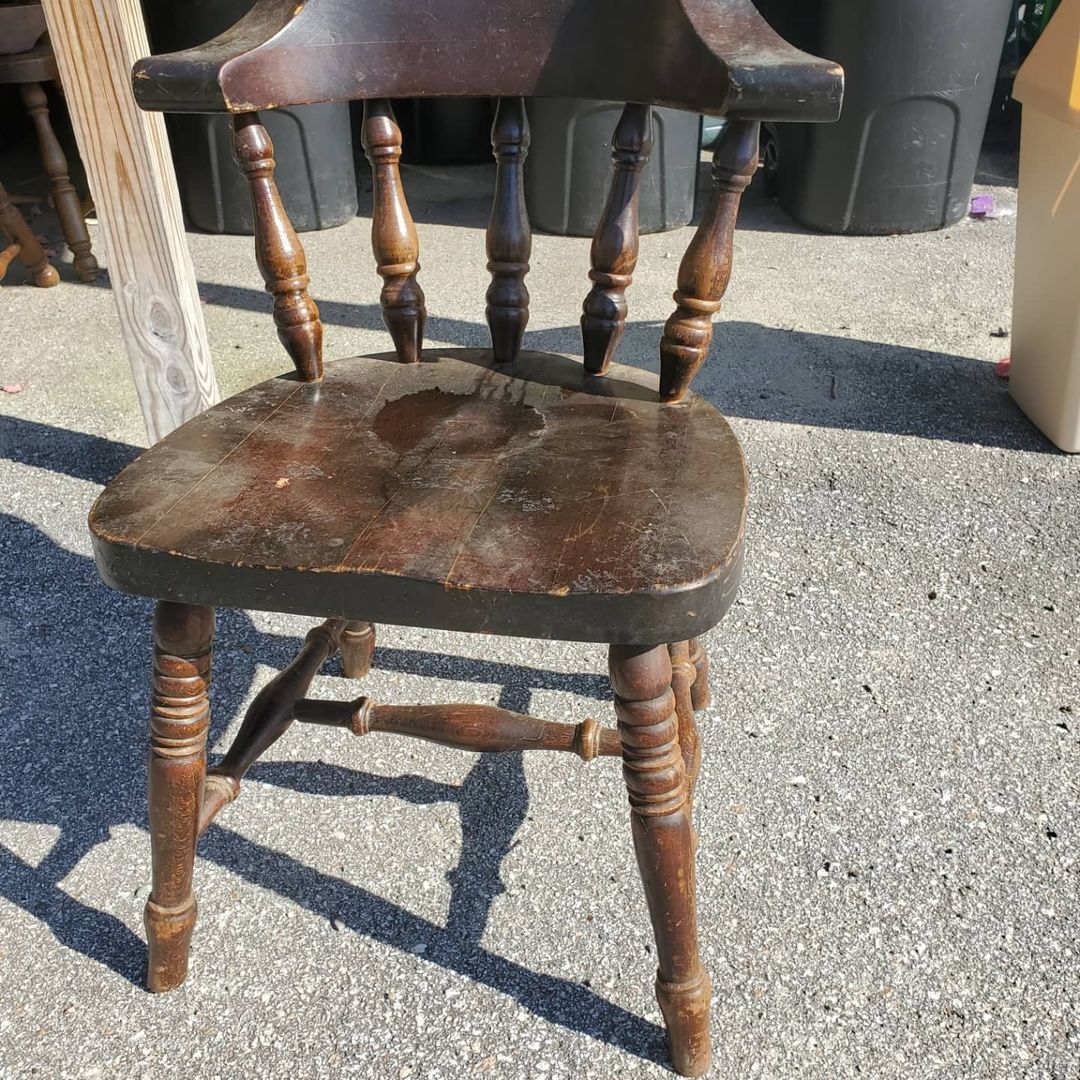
(716, 56)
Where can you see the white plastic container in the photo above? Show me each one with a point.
(1045, 372)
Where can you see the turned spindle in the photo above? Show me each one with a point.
(509, 239)
(278, 251)
(706, 266)
(615, 242)
(393, 234)
(65, 197)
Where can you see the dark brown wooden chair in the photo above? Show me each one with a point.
(495, 490)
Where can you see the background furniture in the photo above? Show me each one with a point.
(29, 68)
(23, 245)
(494, 490)
(126, 157)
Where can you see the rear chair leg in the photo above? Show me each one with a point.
(179, 719)
(664, 841)
(700, 694)
(357, 646)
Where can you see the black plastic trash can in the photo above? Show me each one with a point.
(569, 165)
(312, 143)
(919, 78)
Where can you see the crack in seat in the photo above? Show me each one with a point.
(530, 499)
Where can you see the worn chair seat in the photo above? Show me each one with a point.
(529, 499)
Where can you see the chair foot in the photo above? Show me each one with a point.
(685, 1008)
(659, 791)
(179, 719)
(357, 646)
(700, 694)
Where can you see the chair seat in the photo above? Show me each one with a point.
(531, 500)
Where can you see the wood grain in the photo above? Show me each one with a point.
(126, 156)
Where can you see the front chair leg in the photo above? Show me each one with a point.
(179, 719)
(357, 646)
(664, 842)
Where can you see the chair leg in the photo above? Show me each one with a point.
(699, 692)
(683, 674)
(179, 719)
(664, 842)
(24, 246)
(65, 197)
(357, 646)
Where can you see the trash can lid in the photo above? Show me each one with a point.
(1049, 79)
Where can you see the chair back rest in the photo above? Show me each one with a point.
(715, 56)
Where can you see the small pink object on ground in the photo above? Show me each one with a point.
(982, 206)
(1003, 367)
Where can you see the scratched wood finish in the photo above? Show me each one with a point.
(615, 242)
(509, 238)
(126, 157)
(65, 197)
(706, 267)
(179, 720)
(393, 234)
(447, 493)
(713, 56)
(24, 246)
(683, 674)
(278, 251)
(664, 842)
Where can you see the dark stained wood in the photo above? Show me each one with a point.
(278, 251)
(715, 56)
(700, 694)
(484, 729)
(615, 243)
(683, 674)
(24, 246)
(509, 239)
(447, 493)
(268, 717)
(65, 197)
(664, 842)
(357, 647)
(179, 720)
(706, 266)
(393, 234)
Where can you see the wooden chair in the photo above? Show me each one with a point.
(494, 490)
(30, 64)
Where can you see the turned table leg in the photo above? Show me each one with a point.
(357, 646)
(179, 719)
(664, 842)
(65, 197)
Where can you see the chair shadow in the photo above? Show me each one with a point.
(59, 619)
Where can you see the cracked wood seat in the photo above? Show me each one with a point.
(531, 499)
(495, 490)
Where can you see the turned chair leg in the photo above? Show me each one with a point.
(179, 719)
(683, 674)
(357, 646)
(700, 693)
(65, 197)
(24, 246)
(656, 781)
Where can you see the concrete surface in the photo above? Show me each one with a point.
(889, 805)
